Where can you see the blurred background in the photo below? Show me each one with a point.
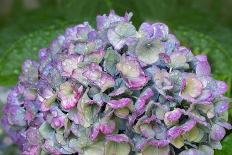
(205, 26)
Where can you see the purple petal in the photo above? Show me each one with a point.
(173, 116)
(95, 132)
(217, 132)
(105, 127)
(143, 99)
(165, 58)
(226, 125)
(147, 29)
(202, 66)
(147, 131)
(119, 138)
(187, 126)
(33, 136)
(132, 72)
(158, 143)
(137, 83)
(58, 122)
(31, 150)
(69, 95)
(161, 31)
(191, 88)
(171, 44)
(96, 76)
(117, 104)
(108, 127)
(15, 96)
(118, 91)
(174, 132)
(29, 72)
(15, 115)
(221, 107)
(221, 88)
(150, 119)
(70, 64)
(104, 22)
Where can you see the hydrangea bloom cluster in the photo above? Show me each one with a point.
(117, 91)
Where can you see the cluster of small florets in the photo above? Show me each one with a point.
(117, 91)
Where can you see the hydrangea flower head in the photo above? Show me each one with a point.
(115, 90)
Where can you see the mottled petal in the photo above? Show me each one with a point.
(107, 127)
(123, 34)
(95, 75)
(70, 64)
(69, 95)
(143, 99)
(174, 132)
(132, 72)
(192, 88)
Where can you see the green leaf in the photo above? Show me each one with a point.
(155, 151)
(121, 148)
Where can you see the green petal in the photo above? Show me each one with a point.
(122, 113)
(193, 87)
(206, 149)
(83, 141)
(113, 148)
(46, 131)
(110, 61)
(95, 149)
(85, 110)
(125, 30)
(148, 52)
(155, 151)
(178, 142)
(195, 135)
(60, 137)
